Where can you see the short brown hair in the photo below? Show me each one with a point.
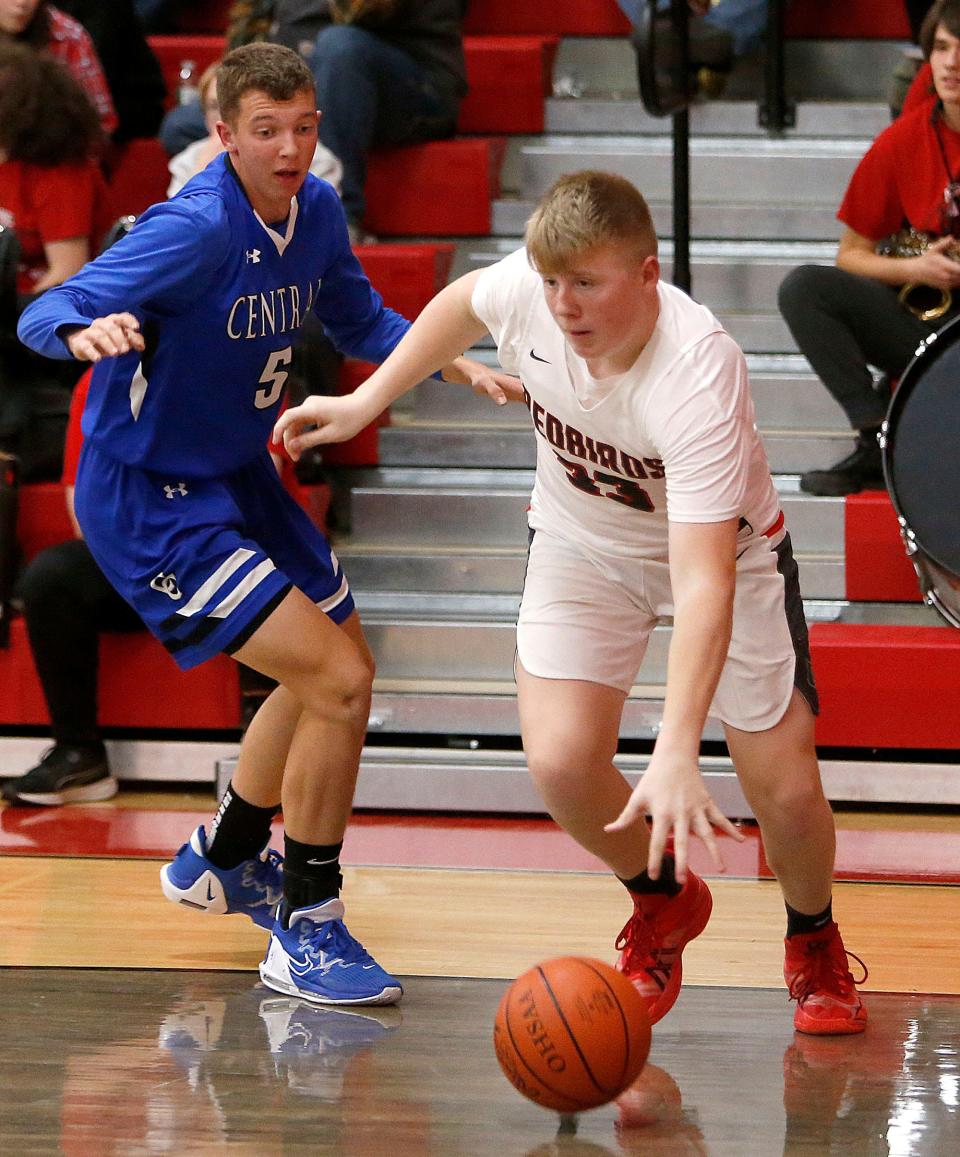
(583, 210)
(945, 12)
(259, 67)
(46, 117)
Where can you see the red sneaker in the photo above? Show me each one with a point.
(816, 972)
(653, 938)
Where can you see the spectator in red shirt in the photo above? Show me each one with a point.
(52, 192)
(53, 200)
(849, 317)
(41, 26)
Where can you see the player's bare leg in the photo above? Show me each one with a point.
(328, 669)
(570, 730)
(780, 776)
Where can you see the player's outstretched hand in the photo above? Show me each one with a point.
(498, 386)
(672, 792)
(319, 420)
(106, 337)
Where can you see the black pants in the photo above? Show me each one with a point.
(843, 324)
(67, 602)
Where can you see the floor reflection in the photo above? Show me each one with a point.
(123, 1064)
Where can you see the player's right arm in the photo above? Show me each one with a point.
(166, 260)
(446, 327)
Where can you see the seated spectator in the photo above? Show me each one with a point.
(52, 193)
(719, 34)
(849, 317)
(132, 71)
(67, 603)
(387, 73)
(53, 197)
(42, 27)
(199, 154)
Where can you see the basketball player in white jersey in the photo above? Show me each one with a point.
(652, 499)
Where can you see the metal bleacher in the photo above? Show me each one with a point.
(431, 525)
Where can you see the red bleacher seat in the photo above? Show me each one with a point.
(443, 188)
(877, 567)
(509, 76)
(364, 449)
(887, 686)
(140, 176)
(407, 276)
(171, 51)
(561, 17)
(42, 519)
(854, 19)
(140, 687)
(203, 15)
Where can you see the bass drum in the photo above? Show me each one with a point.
(920, 440)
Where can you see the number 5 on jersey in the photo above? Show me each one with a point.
(273, 378)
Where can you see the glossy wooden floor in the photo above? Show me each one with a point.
(131, 1027)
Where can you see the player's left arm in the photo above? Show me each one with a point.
(672, 791)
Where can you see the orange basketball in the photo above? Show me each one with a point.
(571, 1034)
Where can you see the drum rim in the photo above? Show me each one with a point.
(928, 351)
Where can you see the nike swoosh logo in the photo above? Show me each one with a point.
(209, 891)
(539, 359)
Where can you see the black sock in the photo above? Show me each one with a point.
(665, 885)
(239, 831)
(311, 873)
(798, 923)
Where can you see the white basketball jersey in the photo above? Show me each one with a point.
(673, 439)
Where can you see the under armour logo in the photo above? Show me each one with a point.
(180, 488)
(253, 256)
(166, 584)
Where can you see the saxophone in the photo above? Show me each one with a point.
(924, 301)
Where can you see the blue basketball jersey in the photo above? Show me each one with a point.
(220, 296)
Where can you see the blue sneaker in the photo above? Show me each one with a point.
(318, 960)
(253, 888)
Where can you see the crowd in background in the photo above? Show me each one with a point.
(78, 80)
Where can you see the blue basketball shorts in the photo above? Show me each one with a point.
(204, 561)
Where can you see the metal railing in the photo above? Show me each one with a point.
(666, 91)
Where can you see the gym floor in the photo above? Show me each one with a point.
(135, 1027)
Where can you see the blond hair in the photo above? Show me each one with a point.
(583, 210)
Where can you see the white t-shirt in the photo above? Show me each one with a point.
(674, 438)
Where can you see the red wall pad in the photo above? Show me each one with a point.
(561, 17)
(509, 78)
(407, 276)
(877, 567)
(887, 686)
(856, 19)
(42, 519)
(443, 188)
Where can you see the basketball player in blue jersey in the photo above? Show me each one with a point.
(191, 320)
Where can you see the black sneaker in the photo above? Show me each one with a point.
(64, 775)
(861, 470)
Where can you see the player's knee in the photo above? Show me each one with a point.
(797, 800)
(550, 766)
